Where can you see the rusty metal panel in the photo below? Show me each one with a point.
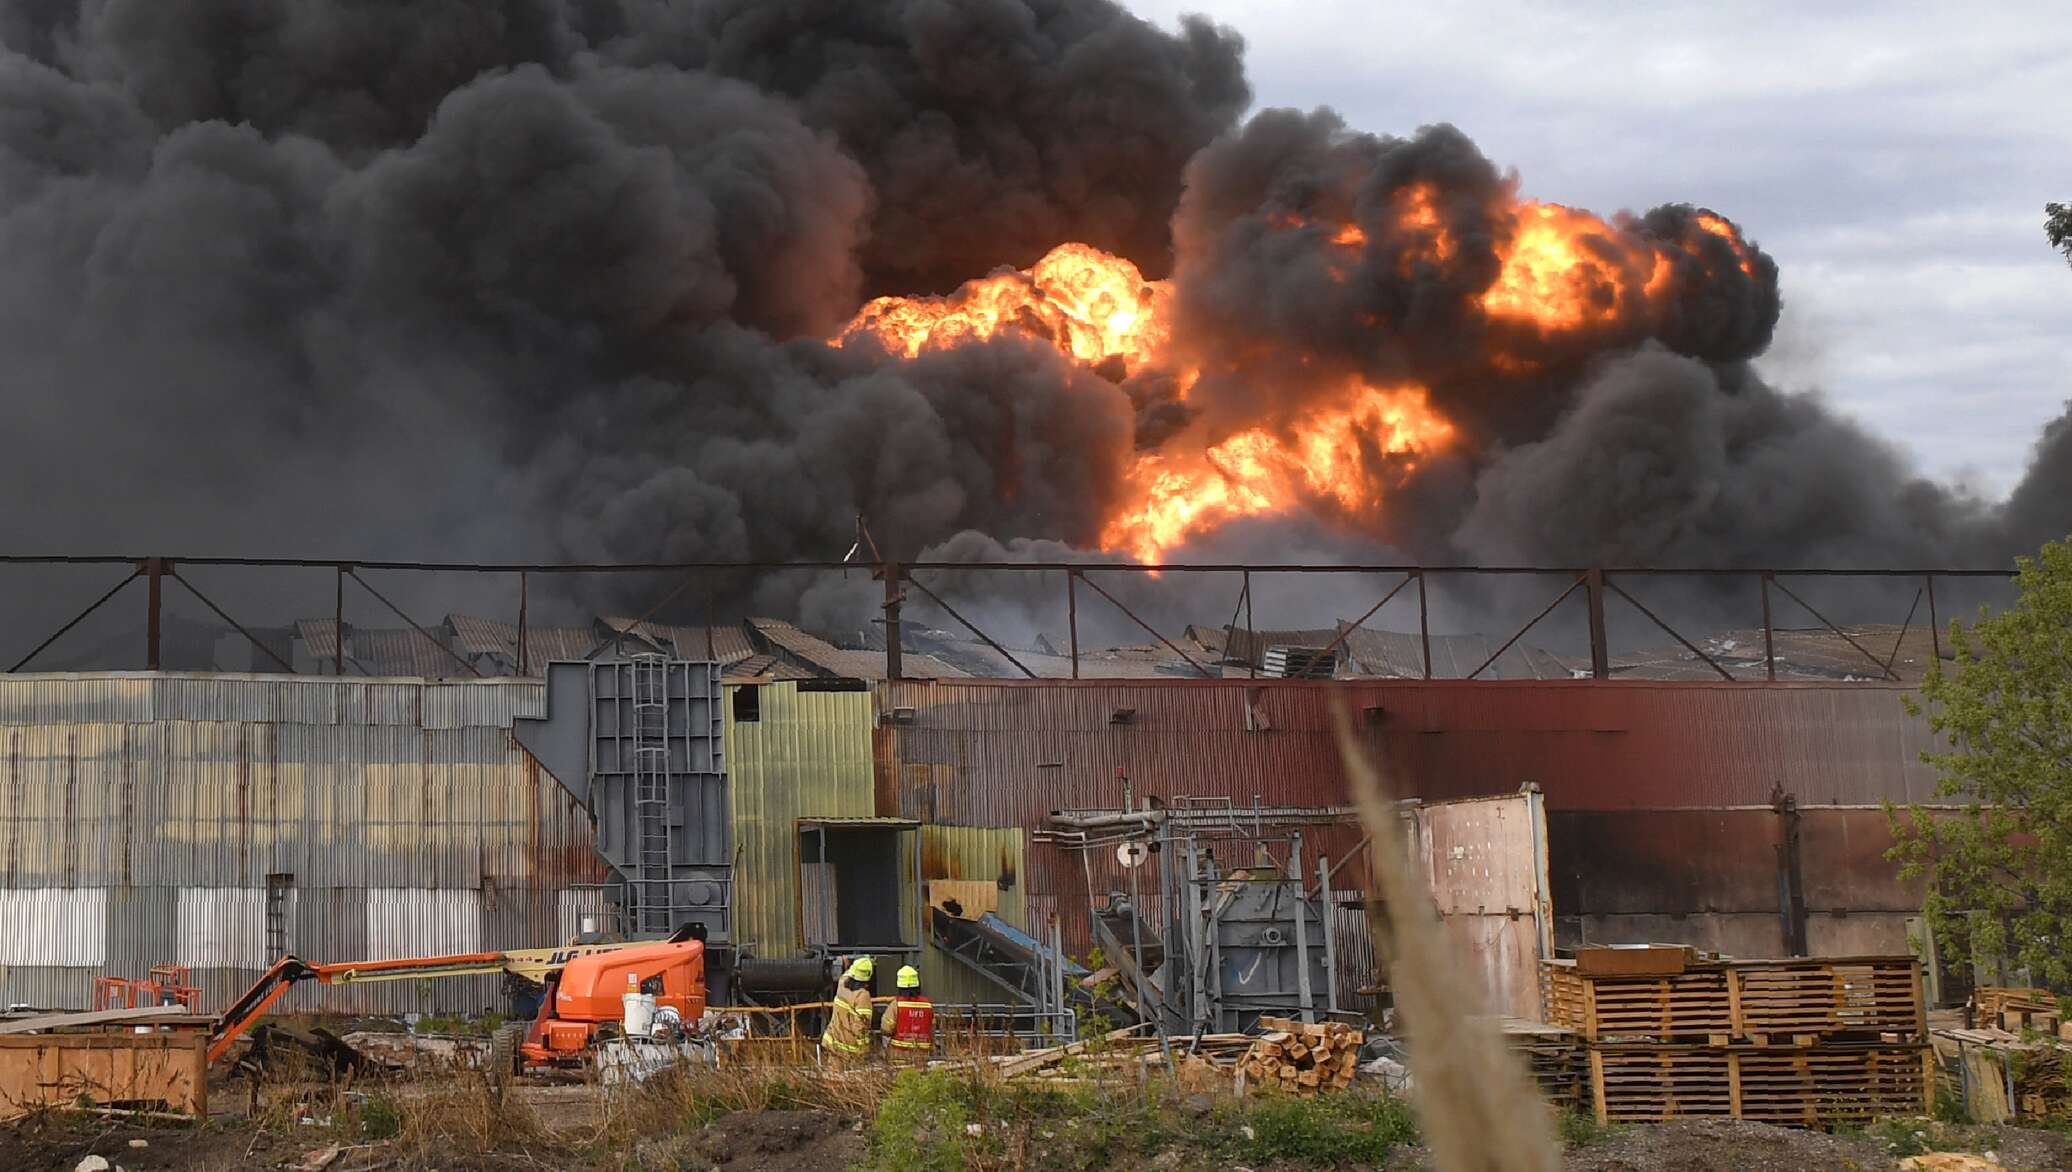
(983, 853)
(996, 752)
(808, 754)
(167, 821)
(1693, 862)
(1685, 862)
(1485, 860)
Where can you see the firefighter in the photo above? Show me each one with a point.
(909, 1022)
(848, 1037)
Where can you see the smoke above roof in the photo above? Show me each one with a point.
(576, 279)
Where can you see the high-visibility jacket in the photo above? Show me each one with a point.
(849, 1022)
(909, 1023)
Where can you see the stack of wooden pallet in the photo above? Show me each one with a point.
(1799, 1041)
(1554, 1057)
(1303, 1056)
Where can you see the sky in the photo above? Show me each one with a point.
(1894, 158)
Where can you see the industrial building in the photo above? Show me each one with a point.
(218, 820)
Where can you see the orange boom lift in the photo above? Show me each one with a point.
(584, 986)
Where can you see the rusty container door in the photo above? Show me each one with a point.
(1486, 861)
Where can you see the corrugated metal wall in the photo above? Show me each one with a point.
(141, 816)
(1005, 753)
(987, 752)
(808, 754)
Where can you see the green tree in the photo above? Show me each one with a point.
(2057, 224)
(2000, 874)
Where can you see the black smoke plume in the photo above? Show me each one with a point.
(549, 278)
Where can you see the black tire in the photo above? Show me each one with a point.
(503, 1055)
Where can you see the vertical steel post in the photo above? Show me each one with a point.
(1934, 625)
(1424, 627)
(338, 623)
(1791, 881)
(1072, 616)
(893, 669)
(1600, 653)
(1301, 908)
(521, 621)
(1330, 918)
(1769, 639)
(154, 571)
(1057, 970)
(1252, 656)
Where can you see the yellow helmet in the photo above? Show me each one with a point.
(909, 977)
(861, 969)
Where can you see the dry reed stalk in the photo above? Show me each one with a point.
(1477, 1109)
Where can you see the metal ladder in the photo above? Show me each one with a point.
(652, 905)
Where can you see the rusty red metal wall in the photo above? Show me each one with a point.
(1709, 878)
(1006, 753)
(990, 753)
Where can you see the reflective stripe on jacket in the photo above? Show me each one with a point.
(849, 1025)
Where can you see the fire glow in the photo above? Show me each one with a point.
(1339, 446)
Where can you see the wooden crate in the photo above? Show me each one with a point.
(1782, 1002)
(1802, 1086)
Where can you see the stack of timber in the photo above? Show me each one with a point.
(2008, 1077)
(1803, 1041)
(1126, 1053)
(2016, 1010)
(1303, 1057)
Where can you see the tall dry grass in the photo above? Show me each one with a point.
(1476, 1107)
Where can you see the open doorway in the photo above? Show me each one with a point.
(852, 875)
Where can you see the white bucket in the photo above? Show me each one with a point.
(640, 1013)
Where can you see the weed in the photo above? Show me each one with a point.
(923, 1123)
(1327, 1129)
(1580, 1129)
(380, 1118)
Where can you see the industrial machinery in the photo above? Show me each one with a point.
(584, 987)
(585, 999)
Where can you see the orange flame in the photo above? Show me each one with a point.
(1089, 304)
(1556, 270)
(1320, 459)
(1560, 269)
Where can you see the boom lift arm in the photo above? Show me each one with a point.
(531, 964)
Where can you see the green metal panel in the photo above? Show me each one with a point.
(807, 755)
(974, 852)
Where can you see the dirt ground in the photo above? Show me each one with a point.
(1721, 1145)
(820, 1141)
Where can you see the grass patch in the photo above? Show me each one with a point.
(939, 1121)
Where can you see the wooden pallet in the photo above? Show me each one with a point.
(1696, 1003)
(1802, 1086)
(1782, 1002)
(1554, 1057)
(1873, 995)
